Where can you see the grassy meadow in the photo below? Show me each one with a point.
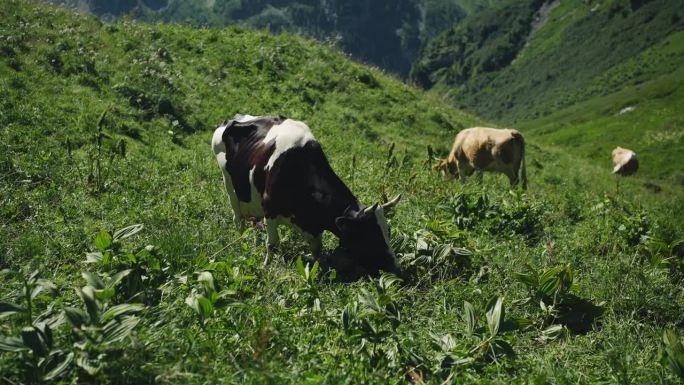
(120, 263)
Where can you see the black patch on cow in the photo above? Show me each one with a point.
(245, 149)
(302, 186)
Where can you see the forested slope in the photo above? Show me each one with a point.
(385, 33)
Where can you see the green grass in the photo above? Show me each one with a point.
(118, 134)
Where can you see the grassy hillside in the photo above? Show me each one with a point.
(572, 76)
(103, 126)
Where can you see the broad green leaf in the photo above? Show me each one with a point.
(153, 263)
(387, 281)
(33, 340)
(116, 278)
(127, 231)
(87, 295)
(47, 285)
(59, 368)
(92, 367)
(93, 280)
(107, 257)
(501, 346)
(495, 316)
(314, 272)
(207, 280)
(119, 310)
(36, 291)
(118, 329)
(300, 267)
(94, 257)
(369, 301)
(469, 317)
(673, 352)
(192, 301)
(45, 333)
(205, 306)
(34, 276)
(12, 344)
(103, 240)
(7, 308)
(530, 280)
(549, 281)
(76, 317)
(105, 294)
(553, 332)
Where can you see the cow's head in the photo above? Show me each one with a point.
(365, 235)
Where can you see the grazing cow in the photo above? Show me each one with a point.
(487, 149)
(274, 168)
(625, 161)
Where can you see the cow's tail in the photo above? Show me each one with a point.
(523, 170)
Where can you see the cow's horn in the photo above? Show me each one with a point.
(388, 206)
(371, 209)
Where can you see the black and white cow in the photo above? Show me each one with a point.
(274, 168)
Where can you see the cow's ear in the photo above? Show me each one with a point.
(341, 223)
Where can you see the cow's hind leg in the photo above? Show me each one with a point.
(238, 220)
(512, 174)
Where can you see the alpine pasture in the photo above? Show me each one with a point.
(120, 262)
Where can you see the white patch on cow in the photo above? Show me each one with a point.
(626, 110)
(243, 117)
(289, 134)
(219, 147)
(253, 208)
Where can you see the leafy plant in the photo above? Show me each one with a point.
(552, 291)
(661, 254)
(673, 352)
(41, 360)
(144, 269)
(101, 325)
(310, 291)
(634, 228)
(216, 286)
(484, 340)
(434, 255)
(372, 320)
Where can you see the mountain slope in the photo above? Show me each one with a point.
(584, 51)
(385, 33)
(106, 125)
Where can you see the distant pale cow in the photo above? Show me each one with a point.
(625, 161)
(488, 149)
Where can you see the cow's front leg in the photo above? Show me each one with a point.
(272, 238)
(315, 243)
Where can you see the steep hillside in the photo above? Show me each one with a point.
(387, 34)
(107, 125)
(598, 57)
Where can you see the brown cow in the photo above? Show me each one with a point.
(488, 149)
(625, 161)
